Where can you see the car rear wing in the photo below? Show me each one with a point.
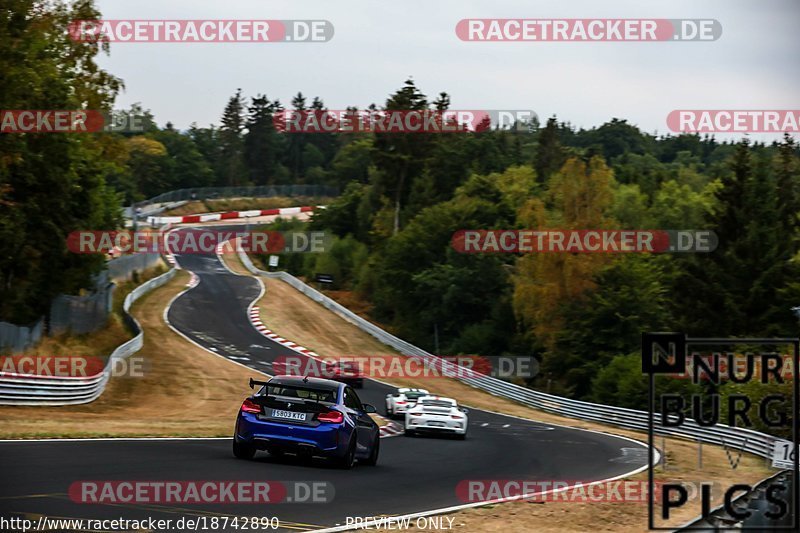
(305, 388)
(253, 383)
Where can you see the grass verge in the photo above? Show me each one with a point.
(185, 390)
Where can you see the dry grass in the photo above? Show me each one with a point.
(316, 328)
(185, 391)
(231, 259)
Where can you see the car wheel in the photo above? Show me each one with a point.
(410, 433)
(461, 436)
(242, 450)
(349, 458)
(376, 449)
(276, 453)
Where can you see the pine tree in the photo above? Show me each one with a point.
(549, 152)
(232, 168)
(261, 142)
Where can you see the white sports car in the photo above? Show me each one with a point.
(436, 414)
(400, 402)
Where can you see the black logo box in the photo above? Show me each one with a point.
(666, 353)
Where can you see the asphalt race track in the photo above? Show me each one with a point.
(413, 474)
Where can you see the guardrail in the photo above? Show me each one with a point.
(17, 389)
(256, 191)
(746, 440)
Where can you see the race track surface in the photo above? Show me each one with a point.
(413, 474)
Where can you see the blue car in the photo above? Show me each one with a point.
(307, 416)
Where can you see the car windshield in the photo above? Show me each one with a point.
(414, 395)
(317, 395)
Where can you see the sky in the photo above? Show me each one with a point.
(378, 45)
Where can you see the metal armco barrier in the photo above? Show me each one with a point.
(746, 440)
(258, 191)
(45, 390)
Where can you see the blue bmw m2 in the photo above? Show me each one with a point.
(309, 417)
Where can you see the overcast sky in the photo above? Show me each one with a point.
(378, 44)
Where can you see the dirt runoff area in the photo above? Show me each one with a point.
(294, 316)
(175, 374)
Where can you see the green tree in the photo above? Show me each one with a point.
(550, 155)
(50, 184)
(232, 170)
(399, 156)
(262, 145)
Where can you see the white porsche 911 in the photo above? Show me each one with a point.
(436, 414)
(402, 400)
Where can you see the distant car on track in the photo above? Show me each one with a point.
(436, 414)
(308, 417)
(347, 372)
(398, 403)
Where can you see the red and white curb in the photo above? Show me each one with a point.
(229, 215)
(391, 429)
(255, 319)
(194, 280)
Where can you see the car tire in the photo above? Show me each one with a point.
(349, 459)
(276, 453)
(242, 450)
(372, 460)
(410, 433)
(461, 436)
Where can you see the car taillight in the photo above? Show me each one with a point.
(400, 402)
(249, 406)
(333, 417)
(457, 417)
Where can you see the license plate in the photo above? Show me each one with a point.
(437, 424)
(288, 414)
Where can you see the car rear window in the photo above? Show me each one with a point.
(415, 395)
(437, 403)
(317, 395)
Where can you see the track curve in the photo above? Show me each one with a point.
(413, 475)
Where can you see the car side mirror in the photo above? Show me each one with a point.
(369, 408)
(464, 410)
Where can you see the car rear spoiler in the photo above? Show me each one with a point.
(253, 383)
